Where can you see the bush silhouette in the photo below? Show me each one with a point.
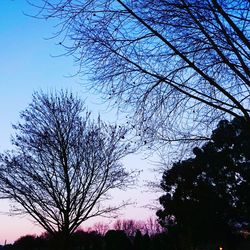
(117, 240)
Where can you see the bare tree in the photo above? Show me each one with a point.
(99, 227)
(152, 227)
(180, 64)
(130, 227)
(64, 164)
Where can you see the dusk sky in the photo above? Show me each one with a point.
(27, 65)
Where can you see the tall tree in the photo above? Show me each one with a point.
(180, 64)
(63, 164)
(207, 196)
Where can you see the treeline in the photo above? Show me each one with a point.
(115, 240)
(130, 238)
(112, 240)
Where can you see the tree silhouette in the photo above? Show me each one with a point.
(208, 196)
(138, 243)
(27, 242)
(179, 63)
(63, 165)
(87, 240)
(117, 239)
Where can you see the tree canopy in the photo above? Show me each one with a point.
(208, 196)
(63, 164)
(180, 65)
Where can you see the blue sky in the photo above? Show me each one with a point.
(27, 66)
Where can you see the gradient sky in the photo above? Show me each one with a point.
(27, 66)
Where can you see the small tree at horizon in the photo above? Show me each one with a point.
(63, 164)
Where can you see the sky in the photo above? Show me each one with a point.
(29, 63)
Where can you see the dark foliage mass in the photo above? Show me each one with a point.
(112, 240)
(207, 197)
